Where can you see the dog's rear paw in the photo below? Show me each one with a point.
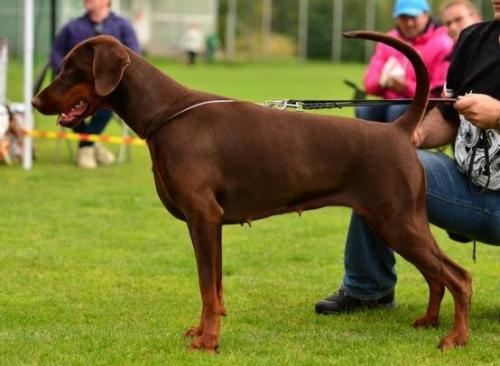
(207, 343)
(455, 339)
(426, 322)
(193, 331)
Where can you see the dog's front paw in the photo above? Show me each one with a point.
(207, 343)
(426, 322)
(193, 331)
(454, 339)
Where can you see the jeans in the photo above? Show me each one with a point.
(380, 113)
(451, 205)
(96, 125)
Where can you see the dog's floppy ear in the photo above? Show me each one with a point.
(110, 61)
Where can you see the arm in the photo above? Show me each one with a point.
(441, 48)
(439, 71)
(404, 87)
(129, 38)
(372, 75)
(59, 49)
(434, 130)
(437, 63)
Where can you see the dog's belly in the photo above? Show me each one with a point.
(246, 203)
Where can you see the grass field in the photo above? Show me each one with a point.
(95, 271)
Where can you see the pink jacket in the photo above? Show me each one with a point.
(434, 46)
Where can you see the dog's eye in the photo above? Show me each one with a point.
(67, 69)
(72, 72)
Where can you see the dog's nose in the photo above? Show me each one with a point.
(36, 102)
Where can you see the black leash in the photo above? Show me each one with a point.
(299, 104)
(482, 143)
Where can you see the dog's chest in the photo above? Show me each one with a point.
(165, 196)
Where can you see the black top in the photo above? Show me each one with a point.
(475, 65)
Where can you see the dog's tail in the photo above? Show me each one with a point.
(416, 110)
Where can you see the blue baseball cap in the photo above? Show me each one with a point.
(412, 8)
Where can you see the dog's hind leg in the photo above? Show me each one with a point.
(459, 282)
(414, 242)
(205, 228)
(436, 293)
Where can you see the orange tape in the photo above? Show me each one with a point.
(61, 135)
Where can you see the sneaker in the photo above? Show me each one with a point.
(103, 155)
(340, 302)
(85, 158)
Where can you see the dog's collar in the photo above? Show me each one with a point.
(160, 122)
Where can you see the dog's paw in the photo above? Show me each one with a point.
(454, 339)
(426, 322)
(193, 331)
(207, 343)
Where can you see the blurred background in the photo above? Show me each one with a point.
(245, 29)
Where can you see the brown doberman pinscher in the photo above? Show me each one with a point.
(217, 161)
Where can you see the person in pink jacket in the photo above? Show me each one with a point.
(390, 74)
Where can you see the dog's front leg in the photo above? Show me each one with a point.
(206, 235)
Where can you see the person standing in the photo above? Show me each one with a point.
(98, 19)
(193, 43)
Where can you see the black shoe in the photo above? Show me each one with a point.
(340, 302)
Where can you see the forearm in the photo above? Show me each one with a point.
(434, 130)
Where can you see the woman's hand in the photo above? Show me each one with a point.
(480, 109)
(396, 84)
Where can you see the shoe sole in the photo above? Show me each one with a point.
(390, 305)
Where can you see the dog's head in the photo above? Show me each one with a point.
(90, 72)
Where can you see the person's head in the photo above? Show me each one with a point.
(496, 8)
(412, 17)
(96, 5)
(458, 15)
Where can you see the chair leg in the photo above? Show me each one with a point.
(124, 150)
(57, 153)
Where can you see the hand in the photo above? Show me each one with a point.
(480, 109)
(396, 84)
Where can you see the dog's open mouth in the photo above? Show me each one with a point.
(74, 115)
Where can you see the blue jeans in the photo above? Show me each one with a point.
(369, 264)
(380, 113)
(96, 125)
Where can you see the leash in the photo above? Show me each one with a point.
(159, 123)
(482, 143)
(301, 105)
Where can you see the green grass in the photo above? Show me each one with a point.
(95, 271)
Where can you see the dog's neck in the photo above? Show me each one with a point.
(143, 83)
